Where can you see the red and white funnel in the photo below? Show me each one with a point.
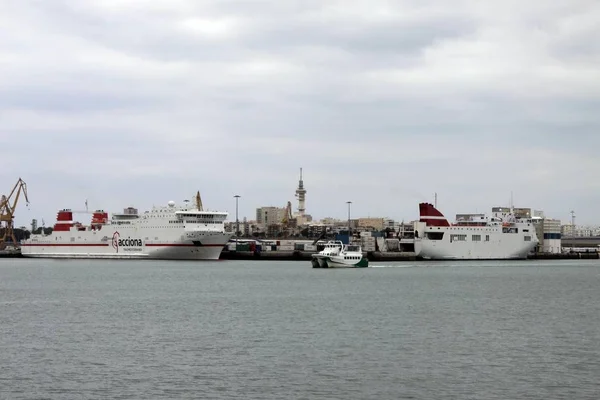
(431, 216)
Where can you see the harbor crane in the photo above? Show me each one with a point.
(288, 219)
(8, 205)
(199, 202)
(288, 222)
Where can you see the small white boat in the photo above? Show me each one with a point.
(338, 255)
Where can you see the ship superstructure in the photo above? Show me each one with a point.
(473, 236)
(185, 232)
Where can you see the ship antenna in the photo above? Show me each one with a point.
(435, 200)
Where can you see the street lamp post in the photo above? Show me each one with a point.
(349, 229)
(237, 221)
(572, 229)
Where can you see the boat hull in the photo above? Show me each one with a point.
(338, 262)
(319, 261)
(335, 263)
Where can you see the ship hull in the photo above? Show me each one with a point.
(205, 247)
(499, 247)
(165, 253)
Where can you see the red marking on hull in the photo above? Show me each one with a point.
(182, 245)
(105, 244)
(470, 224)
(65, 244)
(428, 210)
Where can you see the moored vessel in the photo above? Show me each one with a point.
(184, 232)
(473, 236)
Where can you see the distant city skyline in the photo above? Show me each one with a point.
(381, 103)
(251, 216)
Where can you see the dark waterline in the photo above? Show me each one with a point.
(281, 330)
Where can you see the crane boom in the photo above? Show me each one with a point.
(199, 202)
(7, 212)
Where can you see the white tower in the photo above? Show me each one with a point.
(301, 194)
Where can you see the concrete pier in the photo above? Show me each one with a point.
(291, 255)
(307, 255)
(10, 253)
(565, 256)
(376, 256)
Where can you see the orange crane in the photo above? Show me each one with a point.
(7, 212)
(288, 221)
(287, 217)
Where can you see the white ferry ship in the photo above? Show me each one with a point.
(173, 232)
(473, 236)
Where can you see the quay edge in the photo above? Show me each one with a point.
(565, 256)
(281, 255)
(297, 255)
(10, 253)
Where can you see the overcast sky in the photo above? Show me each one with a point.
(384, 103)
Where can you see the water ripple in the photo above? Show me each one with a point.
(251, 330)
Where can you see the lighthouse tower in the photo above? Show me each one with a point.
(301, 195)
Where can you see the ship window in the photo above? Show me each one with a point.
(458, 238)
(435, 235)
(527, 238)
(487, 238)
(476, 238)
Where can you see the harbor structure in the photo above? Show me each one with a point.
(551, 237)
(269, 215)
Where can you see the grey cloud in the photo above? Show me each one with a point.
(116, 102)
(393, 37)
(271, 29)
(71, 99)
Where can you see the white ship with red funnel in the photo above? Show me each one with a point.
(473, 236)
(185, 232)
